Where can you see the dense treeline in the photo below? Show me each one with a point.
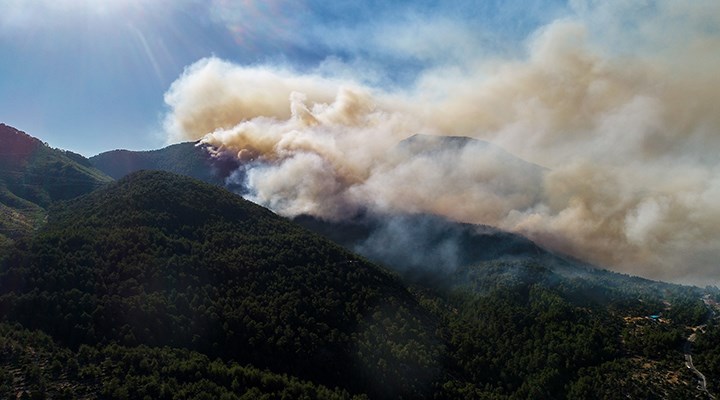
(33, 364)
(210, 272)
(533, 329)
(159, 286)
(189, 159)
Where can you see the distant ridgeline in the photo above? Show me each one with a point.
(33, 176)
(161, 286)
(189, 159)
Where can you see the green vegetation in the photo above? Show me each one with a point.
(33, 176)
(189, 159)
(160, 286)
(531, 336)
(162, 260)
(32, 363)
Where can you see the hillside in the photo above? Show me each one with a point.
(423, 241)
(479, 257)
(158, 269)
(32, 363)
(33, 176)
(163, 260)
(189, 159)
(529, 323)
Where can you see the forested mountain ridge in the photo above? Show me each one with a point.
(164, 260)
(165, 287)
(475, 257)
(32, 176)
(189, 159)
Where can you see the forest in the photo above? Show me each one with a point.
(162, 286)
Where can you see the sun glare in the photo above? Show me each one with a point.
(68, 8)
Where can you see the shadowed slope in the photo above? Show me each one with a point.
(189, 159)
(160, 259)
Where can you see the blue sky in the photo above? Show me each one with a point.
(89, 75)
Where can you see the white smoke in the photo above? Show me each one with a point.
(628, 129)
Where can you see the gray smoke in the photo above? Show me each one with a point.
(623, 118)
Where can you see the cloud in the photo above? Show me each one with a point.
(626, 126)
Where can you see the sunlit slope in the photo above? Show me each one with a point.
(33, 175)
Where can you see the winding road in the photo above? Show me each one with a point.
(702, 381)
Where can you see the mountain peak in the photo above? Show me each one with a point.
(17, 145)
(33, 175)
(189, 159)
(145, 195)
(421, 143)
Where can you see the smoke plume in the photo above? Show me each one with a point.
(619, 129)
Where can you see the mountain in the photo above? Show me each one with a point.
(162, 286)
(424, 241)
(442, 253)
(505, 301)
(189, 159)
(202, 161)
(423, 246)
(162, 260)
(433, 145)
(33, 175)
